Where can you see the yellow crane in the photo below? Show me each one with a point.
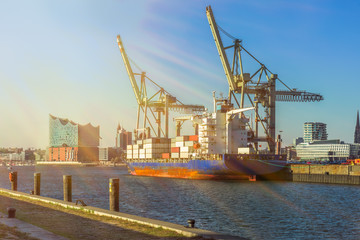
(263, 93)
(152, 107)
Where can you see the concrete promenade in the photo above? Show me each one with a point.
(31, 230)
(68, 220)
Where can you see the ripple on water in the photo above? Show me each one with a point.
(256, 210)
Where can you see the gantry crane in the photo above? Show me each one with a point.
(155, 105)
(247, 85)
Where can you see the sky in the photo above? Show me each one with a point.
(62, 58)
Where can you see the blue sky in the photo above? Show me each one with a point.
(61, 58)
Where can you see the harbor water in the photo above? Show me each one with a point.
(254, 210)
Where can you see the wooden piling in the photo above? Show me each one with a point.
(37, 183)
(13, 181)
(114, 194)
(67, 188)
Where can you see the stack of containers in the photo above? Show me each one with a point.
(136, 148)
(129, 151)
(155, 147)
(183, 146)
(150, 148)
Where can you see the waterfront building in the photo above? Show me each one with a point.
(123, 138)
(357, 130)
(298, 140)
(314, 131)
(328, 150)
(70, 141)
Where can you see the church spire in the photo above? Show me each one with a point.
(357, 130)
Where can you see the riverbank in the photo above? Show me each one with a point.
(84, 222)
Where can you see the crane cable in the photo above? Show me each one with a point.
(234, 38)
(133, 62)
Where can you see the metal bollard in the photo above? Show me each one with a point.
(114, 194)
(191, 223)
(11, 212)
(67, 188)
(37, 183)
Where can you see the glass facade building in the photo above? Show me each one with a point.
(72, 142)
(314, 131)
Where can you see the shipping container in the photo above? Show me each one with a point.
(175, 149)
(175, 155)
(189, 143)
(184, 155)
(182, 138)
(194, 138)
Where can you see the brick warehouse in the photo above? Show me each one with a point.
(72, 142)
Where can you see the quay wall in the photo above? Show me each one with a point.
(340, 174)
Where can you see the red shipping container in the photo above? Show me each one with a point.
(175, 149)
(166, 155)
(194, 138)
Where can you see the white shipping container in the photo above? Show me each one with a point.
(184, 155)
(129, 147)
(173, 144)
(184, 149)
(245, 150)
(141, 151)
(179, 144)
(142, 155)
(189, 143)
(187, 149)
(175, 155)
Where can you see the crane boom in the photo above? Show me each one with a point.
(297, 96)
(220, 47)
(129, 71)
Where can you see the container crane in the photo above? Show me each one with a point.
(152, 107)
(247, 85)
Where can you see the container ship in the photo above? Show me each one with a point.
(219, 150)
(224, 145)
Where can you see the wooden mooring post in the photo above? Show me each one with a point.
(37, 177)
(13, 180)
(114, 194)
(67, 188)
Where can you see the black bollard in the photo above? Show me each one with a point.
(67, 188)
(37, 183)
(191, 223)
(13, 180)
(11, 212)
(114, 194)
